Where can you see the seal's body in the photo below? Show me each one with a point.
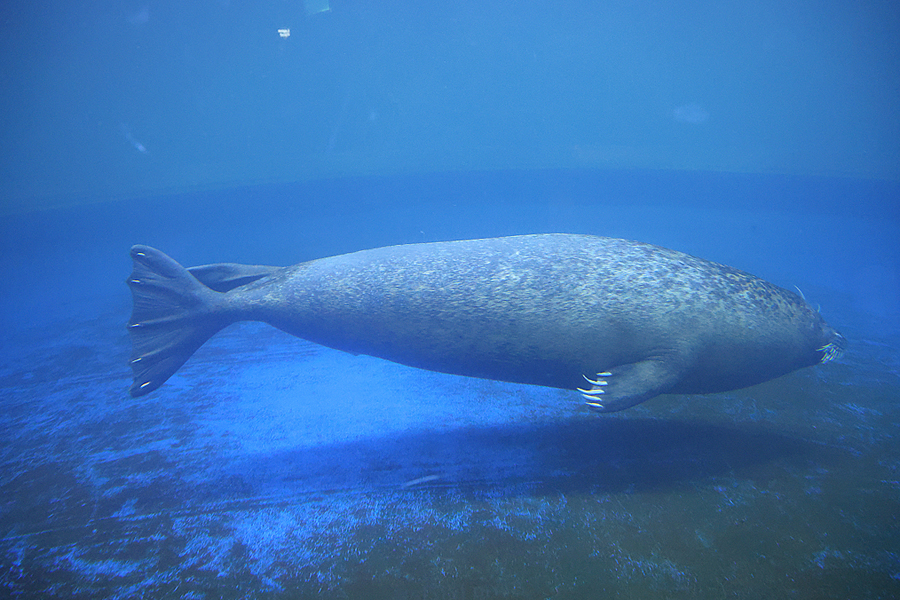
(622, 321)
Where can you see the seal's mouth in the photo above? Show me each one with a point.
(833, 349)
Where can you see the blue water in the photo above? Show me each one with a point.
(269, 466)
(762, 136)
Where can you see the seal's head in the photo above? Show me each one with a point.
(821, 342)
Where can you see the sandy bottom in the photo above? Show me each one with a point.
(271, 467)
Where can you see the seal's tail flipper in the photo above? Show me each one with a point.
(224, 277)
(174, 314)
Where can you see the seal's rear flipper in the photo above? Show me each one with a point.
(174, 314)
(224, 277)
(624, 386)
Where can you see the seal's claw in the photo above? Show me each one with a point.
(590, 392)
(597, 385)
(592, 395)
(598, 381)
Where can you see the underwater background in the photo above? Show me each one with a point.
(762, 135)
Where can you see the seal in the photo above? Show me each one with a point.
(617, 320)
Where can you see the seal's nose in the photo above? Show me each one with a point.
(833, 349)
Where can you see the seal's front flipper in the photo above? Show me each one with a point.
(624, 386)
(173, 315)
(223, 277)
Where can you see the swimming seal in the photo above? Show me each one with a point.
(619, 321)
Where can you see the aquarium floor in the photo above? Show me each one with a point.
(269, 467)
